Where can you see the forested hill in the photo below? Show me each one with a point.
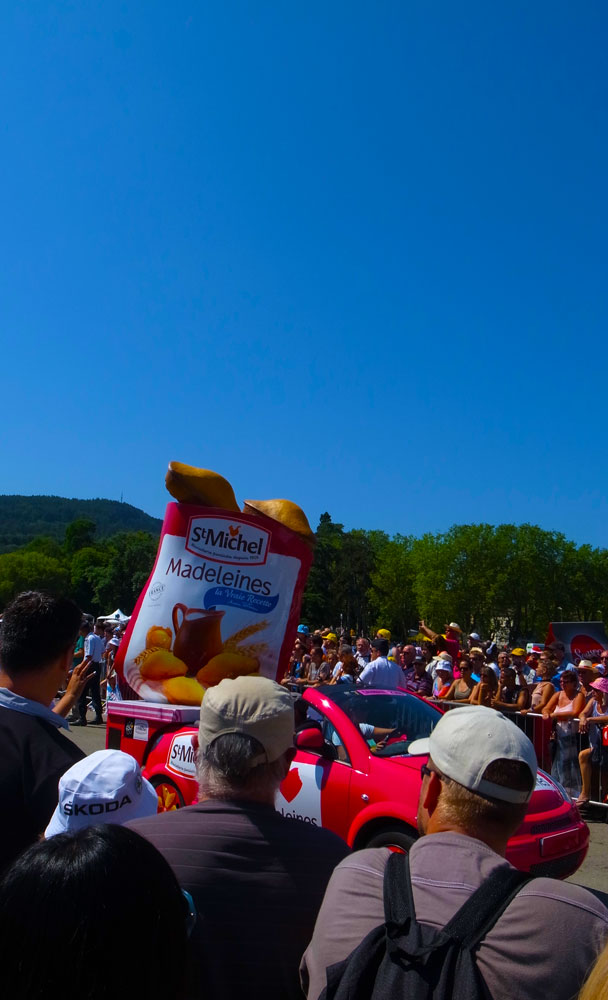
(24, 518)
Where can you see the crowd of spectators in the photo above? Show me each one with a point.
(460, 669)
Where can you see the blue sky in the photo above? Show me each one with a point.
(351, 254)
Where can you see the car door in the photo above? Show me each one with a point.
(317, 787)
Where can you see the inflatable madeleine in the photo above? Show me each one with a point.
(223, 598)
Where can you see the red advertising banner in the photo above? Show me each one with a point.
(583, 640)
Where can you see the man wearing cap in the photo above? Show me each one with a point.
(475, 788)
(330, 641)
(418, 681)
(473, 639)
(526, 675)
(380, 671)
(257, 877)
(451, 640)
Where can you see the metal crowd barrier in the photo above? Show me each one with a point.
(538, 730)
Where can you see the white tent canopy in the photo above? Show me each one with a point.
(117, 616)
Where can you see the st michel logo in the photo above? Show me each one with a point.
(227, 541)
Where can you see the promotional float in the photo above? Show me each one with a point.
(223, 599)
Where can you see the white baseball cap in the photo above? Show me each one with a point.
(105, 787)
(467, 740)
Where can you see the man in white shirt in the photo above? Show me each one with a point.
(380, 671)
(93, 649)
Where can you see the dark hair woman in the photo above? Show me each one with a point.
(91, 916)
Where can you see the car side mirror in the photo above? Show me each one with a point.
(310, 739)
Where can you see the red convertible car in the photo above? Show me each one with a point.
(352, 773)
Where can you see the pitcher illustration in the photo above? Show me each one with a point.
(198, 636)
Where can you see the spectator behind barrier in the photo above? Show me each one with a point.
(93, 915)
(105, 787)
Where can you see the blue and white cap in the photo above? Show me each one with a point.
(105, 787)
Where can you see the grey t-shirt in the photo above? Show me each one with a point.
(542, 946)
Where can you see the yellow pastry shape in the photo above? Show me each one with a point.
(183, 691)
(199, 486)
(226, 665)
(284, 511)
(158, 664)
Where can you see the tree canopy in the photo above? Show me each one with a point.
(516, 577)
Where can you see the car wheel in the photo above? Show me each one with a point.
(399, 841)
(169, 795)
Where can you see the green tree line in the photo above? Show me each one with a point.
(99, 574)
(518, 576)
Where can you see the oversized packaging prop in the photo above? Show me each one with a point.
(223, 599)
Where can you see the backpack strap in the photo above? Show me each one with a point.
(473, 920)
(398, 897)
(481, 911)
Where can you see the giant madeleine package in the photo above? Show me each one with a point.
(223, 600)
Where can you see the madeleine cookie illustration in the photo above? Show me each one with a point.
(159, 637)
(227, 665)
(183, 691)
(199, 486)
(157, 664)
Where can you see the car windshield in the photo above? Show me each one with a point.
(404, 716)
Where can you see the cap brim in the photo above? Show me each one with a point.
(56, 825)
(419, 747)
(148, 803)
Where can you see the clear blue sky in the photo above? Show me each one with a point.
(352, 254)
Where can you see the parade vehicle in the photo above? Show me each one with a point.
(352, 772)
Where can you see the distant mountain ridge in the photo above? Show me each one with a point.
(23, 518)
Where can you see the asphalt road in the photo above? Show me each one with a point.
(593, 872)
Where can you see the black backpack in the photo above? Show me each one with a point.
(403, 958)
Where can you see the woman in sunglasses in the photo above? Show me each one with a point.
(462, 689)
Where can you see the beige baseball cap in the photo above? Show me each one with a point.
(252, 706)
